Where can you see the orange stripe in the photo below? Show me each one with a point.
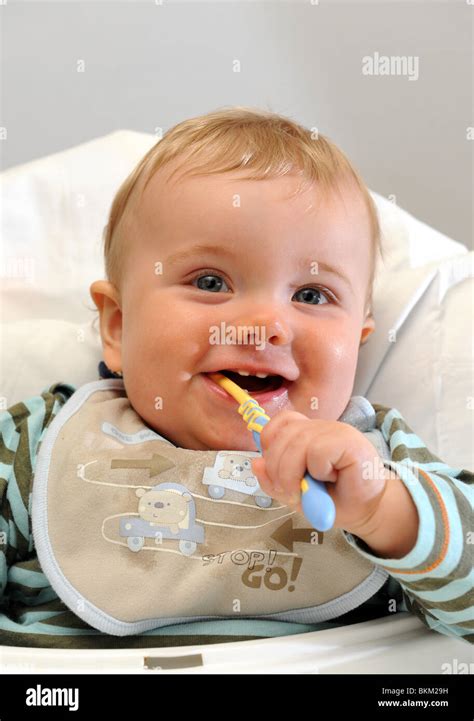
(444, 547)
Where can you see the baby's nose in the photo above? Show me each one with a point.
(269, 327)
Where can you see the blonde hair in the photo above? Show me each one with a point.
(234, 138)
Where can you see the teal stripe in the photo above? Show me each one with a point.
(31, 579)
(8, 430)
(446, 630)
(461, 631)
(37, 408)
(455, 589)
(19, 512)
(31, 617)
(435, 466)
(5, 470)
(38, 628)
(453, 617)
(12, 534)
(385, 427)
(410, 440)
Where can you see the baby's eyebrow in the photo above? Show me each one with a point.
(302, 264)
(335, 271)
(180, 255)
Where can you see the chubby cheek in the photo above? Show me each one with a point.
(328, 375)
(162, 349)
(154, 330)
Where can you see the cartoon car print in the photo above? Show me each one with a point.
(167, 511)
(233, 471)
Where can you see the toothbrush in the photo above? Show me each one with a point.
(317, 504)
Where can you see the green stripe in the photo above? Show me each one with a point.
(19, 512)
(18, 413)
(417, 455)
(7, 455)
(23, 475)
(14, 637)
(34, 422)
(456, 604)
(68, 620)
(31, 564)
(30, 597)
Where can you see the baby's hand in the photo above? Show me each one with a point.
(331, 451)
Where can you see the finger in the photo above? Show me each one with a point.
(292, 499)
(337, 452)
(318, 459)
(257, 465)
(275, 425)
(280, 451)
(292, 462)
(265, 482)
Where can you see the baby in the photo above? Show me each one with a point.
(295, 265)
(242, 243)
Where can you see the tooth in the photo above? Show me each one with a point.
(261, 375)
(243, 373)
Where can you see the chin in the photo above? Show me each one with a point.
(236, 443)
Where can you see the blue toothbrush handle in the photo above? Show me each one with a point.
(317, 504)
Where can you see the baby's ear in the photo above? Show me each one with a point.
(140, 492)
(107, 300)
(368, 328)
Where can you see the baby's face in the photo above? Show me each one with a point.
(293, 271)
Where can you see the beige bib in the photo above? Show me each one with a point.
(134, 533)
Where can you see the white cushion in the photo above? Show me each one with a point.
(37, 353)
(419, 358)
(54, 212)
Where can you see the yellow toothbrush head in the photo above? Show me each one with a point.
(232, 388)
(253, 414)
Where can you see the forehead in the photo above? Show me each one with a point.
(230, 208)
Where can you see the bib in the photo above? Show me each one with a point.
(135, 533)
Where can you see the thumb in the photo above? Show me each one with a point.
(258, 467)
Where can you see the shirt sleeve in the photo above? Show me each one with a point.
(22, 428)
(436, 576)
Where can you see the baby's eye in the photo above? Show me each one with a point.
(209, 282)
(311, 296)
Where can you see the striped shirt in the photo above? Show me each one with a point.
(434, 580)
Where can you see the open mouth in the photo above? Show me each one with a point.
(253, 384)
